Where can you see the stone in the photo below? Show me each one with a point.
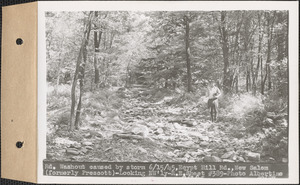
(142, 150)
(95, 133)
(187, 155)
(191, 160)
(233, 157)
(74, 158)
(84, 150)
(76, 145)
(204, 138)
(171, 154)
(252, 156)
(177, 126)
(194, 154)
(186, 144)
(195, 123)
(271, 159)
(87, 135)
(240, 159)
(204, 143)
(229, 149)
(89, 147)
(211, 159)
(268, 121)
(116, 118)
(228, 161)
(87, 143)
(284, 160)
(160, 131)
(215, 154)
(135, 141)
(228, 155)
(71, 151)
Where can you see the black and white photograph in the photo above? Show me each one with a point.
(168, 86)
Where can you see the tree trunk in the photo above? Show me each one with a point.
(270, 24)
(227, 79)
(255, 76)
(262, 85)
(97, 49)
(79, 74)
(187, 52)
(74, 83)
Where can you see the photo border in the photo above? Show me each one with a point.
(293, 134)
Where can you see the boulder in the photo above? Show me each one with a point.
(228, 161)
(135, 141)
(95, 133)
(215, 154)
(142, 150)
(177, 126)
(212, 159)
(252, 156)
(199, 135)
(204, 138)
(204, 143)
(87, 143)
(240, 159)
(284, 160)
(76, 145)
(159, 131)
(87, 135)
(186, 144)
(89, 147)
(71, 151)
(228, 155)
(171, 154)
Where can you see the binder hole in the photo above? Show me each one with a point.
(19, 41)
(19, 144)
(12, 120)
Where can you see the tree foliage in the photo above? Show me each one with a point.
(94, 58)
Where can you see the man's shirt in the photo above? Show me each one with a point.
(213, 92)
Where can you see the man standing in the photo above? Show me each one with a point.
(213, 93)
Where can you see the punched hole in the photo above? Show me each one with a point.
(19, 41)
(19, 144)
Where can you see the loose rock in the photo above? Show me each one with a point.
(228, 155)
(228, 161)
(268, 121)
(212, 159)
(89, 147)
(87, 143)
(71, 151)
(253, 156)
(204, 143)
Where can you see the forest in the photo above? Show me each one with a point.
(131, 86)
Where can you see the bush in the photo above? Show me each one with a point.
(275, 103)
(241, 106)
(58, 96)
(102, 100)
